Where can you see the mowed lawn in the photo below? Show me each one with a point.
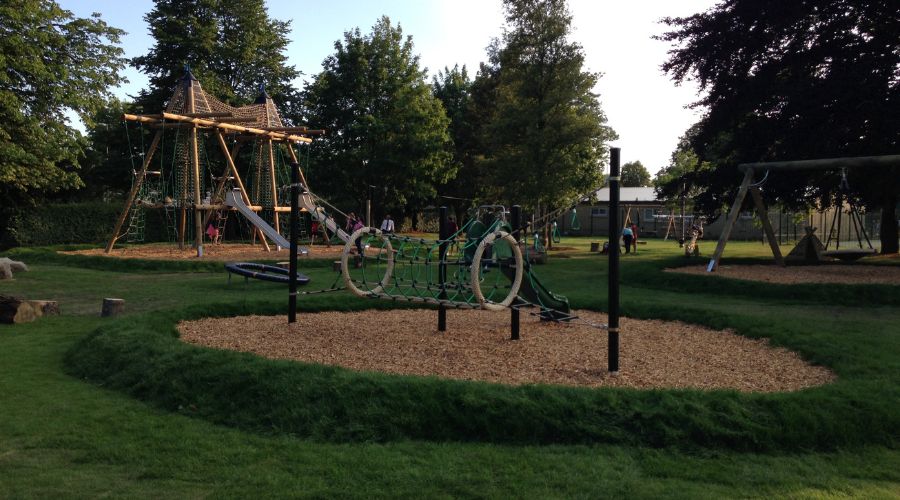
(65, 437)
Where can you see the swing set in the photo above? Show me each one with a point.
(748, 184)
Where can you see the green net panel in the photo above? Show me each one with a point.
(485, 272)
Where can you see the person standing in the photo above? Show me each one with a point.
(387, 225)
(634, 236)
(627, 237)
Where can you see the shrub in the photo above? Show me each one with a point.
(67, 223)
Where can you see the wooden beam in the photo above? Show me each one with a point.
(729, 222)
(232, 168)
(195, 171)
(129, 201)
(299, 130)
(273, 185)
(767, 225)
(851, 162)
(214, 124)
(295, 160)
(220, 185)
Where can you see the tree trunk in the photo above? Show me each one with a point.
(889, 243)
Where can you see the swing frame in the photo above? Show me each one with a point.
(748, 185)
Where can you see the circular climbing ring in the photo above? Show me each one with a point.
(476, 271)
(345, 260)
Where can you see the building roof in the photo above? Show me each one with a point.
(630, 195)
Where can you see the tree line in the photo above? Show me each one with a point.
(796, 80)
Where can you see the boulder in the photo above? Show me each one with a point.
(7, 266)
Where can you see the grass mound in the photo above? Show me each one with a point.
(143, 357)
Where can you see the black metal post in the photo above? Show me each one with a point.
(516, 223)
(615, 228)
(442, 267)
(295, 234)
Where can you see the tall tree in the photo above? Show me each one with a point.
(384, 127)
(113, 153)
(53, 63)
(453, 88)
(231, 46)
(794, 80)
(546, 133)
(635, 174)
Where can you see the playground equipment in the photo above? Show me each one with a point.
(188, 183)
(263, 272)
(748, 184)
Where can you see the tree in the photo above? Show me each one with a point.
(545, 132)
(634, 174)
(113, 153)
(231, 46)
(453, 88)
(53, 63)
(384, 127)
(794, 80)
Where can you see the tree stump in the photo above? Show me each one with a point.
(14, 310)
(112, 307)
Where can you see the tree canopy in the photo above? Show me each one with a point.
(545, 132)
(635, 174)
(789, 81)
(53, 63)
(231, 46)
(384, 127)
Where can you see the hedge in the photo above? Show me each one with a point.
(67, 223)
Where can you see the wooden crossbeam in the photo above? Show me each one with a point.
(215, 124)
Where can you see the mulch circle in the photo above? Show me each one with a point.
(476, 346)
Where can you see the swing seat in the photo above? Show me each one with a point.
(849, 254)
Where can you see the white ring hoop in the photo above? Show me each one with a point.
(475, 271)
(345, 260)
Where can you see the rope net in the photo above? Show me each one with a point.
(479, 266)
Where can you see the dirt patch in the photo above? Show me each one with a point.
(828, 273)
(654, 354)
(224, 252)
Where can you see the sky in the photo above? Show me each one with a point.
(641, 103)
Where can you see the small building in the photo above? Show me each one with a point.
(637, 204)
(640, 205)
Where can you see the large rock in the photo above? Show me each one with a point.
(7, 266)
(14, 310)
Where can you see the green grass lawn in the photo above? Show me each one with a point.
(63, 436)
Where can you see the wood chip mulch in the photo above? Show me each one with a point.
(830, 273)
(224, 252)
(476, 346)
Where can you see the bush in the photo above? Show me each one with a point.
(66, 223)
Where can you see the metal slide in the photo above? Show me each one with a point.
(553, 307)
(233, 199)
(318, 213)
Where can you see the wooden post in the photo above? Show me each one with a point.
(220, 186)
(134, 191)
(729, 222)
(767, 226)
(290, 149)
(229, 159)
(195, 167)
(274, 186)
